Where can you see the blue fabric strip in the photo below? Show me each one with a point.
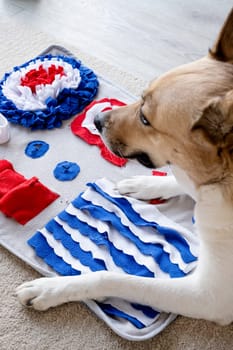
(113, 311)
(155, 250)
(147, 310)
(121, 259)
(45, 252)
(171, 235)
(74, 248)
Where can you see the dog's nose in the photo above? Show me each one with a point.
(99, 120)
(98, 123)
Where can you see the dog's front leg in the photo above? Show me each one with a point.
(181, 295)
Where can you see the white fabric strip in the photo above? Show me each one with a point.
(145, 234)
(88, 246)
(63, 253)
(119, 241)
(150, 212)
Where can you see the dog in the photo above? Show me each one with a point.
(185, 119)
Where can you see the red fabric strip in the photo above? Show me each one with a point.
(158, 200)
(158, 173)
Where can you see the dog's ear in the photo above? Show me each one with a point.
(223, 48)
(215, 122)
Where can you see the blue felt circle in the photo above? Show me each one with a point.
(66, 171)
(36, 149)
(68, 103)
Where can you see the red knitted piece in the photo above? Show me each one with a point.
(20, 198)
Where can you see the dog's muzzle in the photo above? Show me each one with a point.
(100, 121)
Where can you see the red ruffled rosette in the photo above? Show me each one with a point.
(83, 126)
(40, 76)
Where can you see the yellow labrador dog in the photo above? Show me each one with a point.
(184, 118)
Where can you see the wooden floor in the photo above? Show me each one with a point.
(144, 38)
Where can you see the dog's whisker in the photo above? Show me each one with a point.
(120, 153)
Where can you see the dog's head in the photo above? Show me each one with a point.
(185, 117)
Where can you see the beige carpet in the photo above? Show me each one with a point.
(73, 326)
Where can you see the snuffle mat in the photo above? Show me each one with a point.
(87, 226)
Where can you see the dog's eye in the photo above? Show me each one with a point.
(143, 119)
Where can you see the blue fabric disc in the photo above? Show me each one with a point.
(36, 149)
(66, 171)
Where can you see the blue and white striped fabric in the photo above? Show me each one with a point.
(103, 230)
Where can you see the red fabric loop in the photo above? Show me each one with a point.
(93, 139)
(41, 76)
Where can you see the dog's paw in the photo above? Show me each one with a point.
(136, 187)
(39, 294)
(149, 187)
